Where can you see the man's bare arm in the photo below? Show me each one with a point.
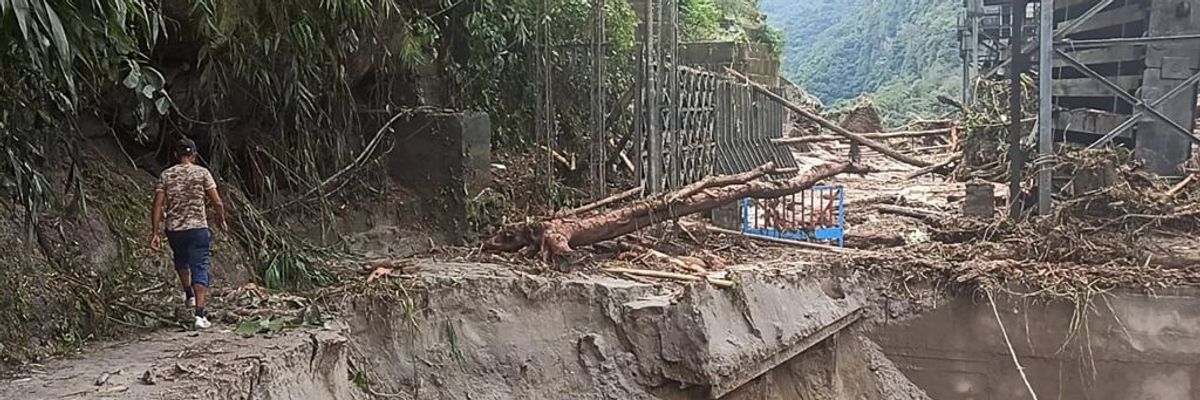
(156, 214)
(219, 206)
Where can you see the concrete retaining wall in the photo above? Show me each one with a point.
(1126, 346)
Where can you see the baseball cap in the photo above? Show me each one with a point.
(185, 147)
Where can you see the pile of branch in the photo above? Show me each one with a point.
(559, 234)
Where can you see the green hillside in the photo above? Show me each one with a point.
(904, 52)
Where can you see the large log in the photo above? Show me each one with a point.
(557, 236)
(854, 137)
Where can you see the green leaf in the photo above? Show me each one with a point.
(134, 78)
(21, 11)
(153, 77)
(162, 105)
(248, 328)
(59, 34)
(274, 325)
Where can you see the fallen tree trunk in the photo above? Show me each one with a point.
(874, 135)
(869, 143)
(557, 236)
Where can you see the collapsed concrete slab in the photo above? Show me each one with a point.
(487, 331)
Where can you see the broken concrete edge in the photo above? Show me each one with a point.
(735, 381)
(693, 334)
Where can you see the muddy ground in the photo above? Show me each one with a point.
(414, 318)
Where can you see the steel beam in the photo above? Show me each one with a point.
(1016, 157)
(1062, 33)
(1121, 92)
(1129, 123)
(1045, 102)
(1123, 41)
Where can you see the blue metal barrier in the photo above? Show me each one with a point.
(817, 214)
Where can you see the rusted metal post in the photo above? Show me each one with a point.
(1015, 155)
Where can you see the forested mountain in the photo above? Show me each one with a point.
(904, 52)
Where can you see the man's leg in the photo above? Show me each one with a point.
(181, 251)
(185, 280)
(199, 270)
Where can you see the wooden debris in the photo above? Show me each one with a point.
(1178, 187)
(569, 164)
(935, 167)
(379, 273)
(679, 262)
(148, 378)
(637, 191)
(556, 236)
(854, 137)
(103, 379)
(721, 283)
(873, 135)
(918, 213)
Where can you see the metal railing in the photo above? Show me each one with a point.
(817, 214)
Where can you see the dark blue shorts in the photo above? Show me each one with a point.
(191, 251)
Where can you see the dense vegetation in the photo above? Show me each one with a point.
(904, 52)
(734, 20)
(284, 98)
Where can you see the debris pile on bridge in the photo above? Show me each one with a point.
(558, 234)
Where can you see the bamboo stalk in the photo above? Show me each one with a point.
(601, 203)
(1179, 187)
(678, 263)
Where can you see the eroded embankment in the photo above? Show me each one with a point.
(477, 331)
(483, 331)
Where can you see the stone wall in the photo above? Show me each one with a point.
(443, 158)
(754, 60)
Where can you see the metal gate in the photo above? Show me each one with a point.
(712, 125)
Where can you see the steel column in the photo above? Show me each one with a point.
(1015, 155)
(1045, 102)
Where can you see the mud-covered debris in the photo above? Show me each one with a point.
(148, 377)
(183, 369)
(379, 272)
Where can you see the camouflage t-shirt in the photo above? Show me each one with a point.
(185, 186)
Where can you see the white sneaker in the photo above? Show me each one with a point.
(202, 323)
(191, 302)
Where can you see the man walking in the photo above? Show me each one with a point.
(180, 193)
